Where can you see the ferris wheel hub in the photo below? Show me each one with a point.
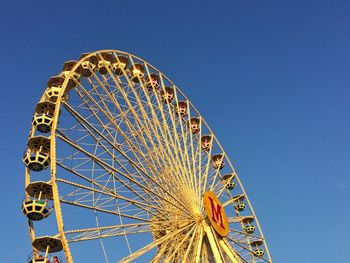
(198, 219)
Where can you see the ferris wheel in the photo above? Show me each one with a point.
(121, 166)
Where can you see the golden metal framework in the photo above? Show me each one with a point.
(126, 143)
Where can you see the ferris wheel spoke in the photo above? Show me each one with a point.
(153, 244)
(159, 255)
(238, 219)
(205, 160)
(180, 147)
(134, 202)
(130, 106)
(182, 244)
(219, 189)
(180, 150)
(92, 132)
(93, 182)
(103, 164)
(173, 247)
(107, 191)
(112, 212)
(168, 257)
(130, 206)
(126, 120)
(180, 136)
(216, 176)
(191, 248)
(236, 257)
(229, 251)
(191, 153)
(171, 160)
(205, 173)
(86, 197)
(244, 234)
(93, 114)
(132, 146)
(106, 232)
(251, 252)
(159, 185)
(148, 126)
(110, 168)
(198, 171)
(143, 111)
(198, 154)
(159, 124)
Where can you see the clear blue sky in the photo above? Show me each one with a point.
(272, 79)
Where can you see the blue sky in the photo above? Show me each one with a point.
(270, 77)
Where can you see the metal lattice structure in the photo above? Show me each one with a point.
(117, 152)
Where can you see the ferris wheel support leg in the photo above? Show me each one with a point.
(213, 243)
(229, 251)
(199, 246)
